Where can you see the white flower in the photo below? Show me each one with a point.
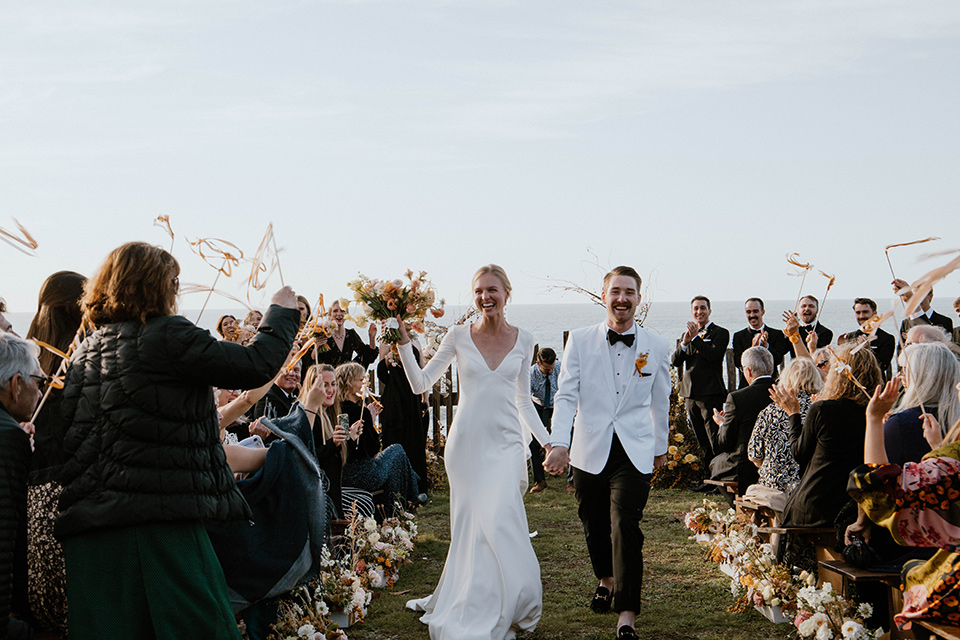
(824, 632)
(374, 538)
(852, 630)
(306, 630)
(322, 608)
(369, 524)
(767, 593)
(865, 610)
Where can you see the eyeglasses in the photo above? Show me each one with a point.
(42, 380)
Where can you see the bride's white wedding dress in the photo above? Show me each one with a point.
(490, 584)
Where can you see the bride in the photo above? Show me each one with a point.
(490, 586)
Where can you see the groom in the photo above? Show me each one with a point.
(615, 390)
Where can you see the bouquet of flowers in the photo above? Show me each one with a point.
(823, 614)
(708, 518)
(683, 465)
(387, 299)
(342, 589)
(763, 581)
(379, 552)
(303, 614)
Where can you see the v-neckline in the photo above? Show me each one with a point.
(484, 358)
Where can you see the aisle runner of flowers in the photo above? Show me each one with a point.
(369, 559)
(779, 592)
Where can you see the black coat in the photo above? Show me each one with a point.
(882, 347)
(936, 319)
(777, 344)
(824, 335)
(702, 364)
(740, 414)
(828, 445)
(143, 443)
(14, 460)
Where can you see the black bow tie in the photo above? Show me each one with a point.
(615, 337)
(755, 331)
(807, 327)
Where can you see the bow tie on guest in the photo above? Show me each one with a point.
(755, 331)
(613, 337)
(806, 327)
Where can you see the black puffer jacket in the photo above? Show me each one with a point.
(143, 443)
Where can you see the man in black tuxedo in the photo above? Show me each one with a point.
(956, 330)
(809, 311)
(757, 334)
(882, 345)
(924, 315)
(702, 349)
(736, 421)
(277, 402)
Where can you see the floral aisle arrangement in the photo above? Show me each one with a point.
(370, 558)
(824, 614)
(683, 467)
(779, 592)
(387, 299)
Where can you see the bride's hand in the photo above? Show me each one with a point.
(404, 336)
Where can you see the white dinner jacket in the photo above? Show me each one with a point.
(586, 401)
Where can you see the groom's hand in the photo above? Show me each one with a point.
(659, 461)
(556, 461)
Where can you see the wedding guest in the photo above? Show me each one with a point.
(253, 318)
(330, 442)
(144, 465)
(402, 419)
(278, 400)
(956, 329)
(56, 323)
(925, 334)
(21, 380)
(828, 443)
(304, 306)
(917, 503)
(809, 321)
(5, 326)
(883, 344)
(802, 348)
(737, 419)
(345, 345)
(756, 334)
(769, 445)
(227, 328)
(928, 373)
(924, 314)
(368, 467)
(543, 386)
(699, 359)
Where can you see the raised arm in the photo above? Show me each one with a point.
(423, 379)
(528, 415)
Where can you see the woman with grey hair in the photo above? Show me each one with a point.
(929, 373)
(20, 384)
(769, 446)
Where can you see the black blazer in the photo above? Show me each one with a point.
(740, 414)
(824, 335)
(936, 319)
(882, 347)
(703, 358)
(777, 344)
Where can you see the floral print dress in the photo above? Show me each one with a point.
(919, 504)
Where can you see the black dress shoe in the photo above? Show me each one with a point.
(702, 488)
(627, 632)
(601, 600)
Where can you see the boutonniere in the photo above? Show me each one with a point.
(641, 363)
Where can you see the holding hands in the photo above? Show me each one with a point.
(556, 461)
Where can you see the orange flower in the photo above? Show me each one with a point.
(641, 363)
(437, 313)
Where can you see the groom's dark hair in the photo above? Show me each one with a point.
(622, 271)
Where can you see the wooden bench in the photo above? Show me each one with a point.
(759, 514)
(725, 486)
(850, 574)
(823, 539)
(939, 630)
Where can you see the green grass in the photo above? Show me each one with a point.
(684, 595)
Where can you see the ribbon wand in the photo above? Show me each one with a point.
(57, 381)
(210, 293)
(276, 252)
(831, 279)
(794, 259)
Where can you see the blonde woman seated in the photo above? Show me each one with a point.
(769, 446)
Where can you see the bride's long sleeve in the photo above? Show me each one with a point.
(528, 415)
(423, 379)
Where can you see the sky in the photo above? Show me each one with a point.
(699, 142)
